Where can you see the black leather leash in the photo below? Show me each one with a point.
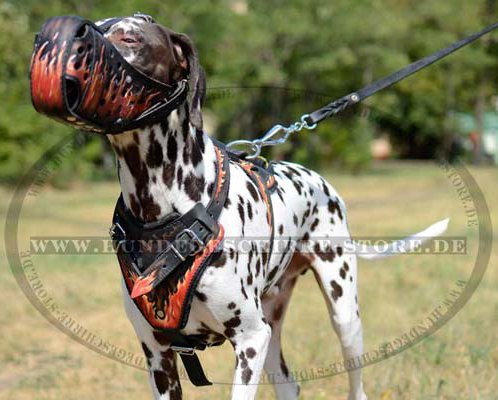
(279, 133)
(339, 105)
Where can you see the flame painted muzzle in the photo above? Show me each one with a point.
(79, 77)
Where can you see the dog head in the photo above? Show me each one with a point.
(161, 54)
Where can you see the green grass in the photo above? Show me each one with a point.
(458, 362)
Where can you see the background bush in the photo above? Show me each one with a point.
(268, 62)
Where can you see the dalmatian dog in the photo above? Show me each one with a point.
(243, 296)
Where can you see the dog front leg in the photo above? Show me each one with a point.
(251, 346)
(161, 360)
(163, 373)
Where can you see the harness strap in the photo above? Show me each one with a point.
(186, 346)
(257, 174)
(261, 174)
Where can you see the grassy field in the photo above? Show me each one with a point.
(458, 362)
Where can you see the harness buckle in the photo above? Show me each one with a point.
(187, 351)
(112, 230)
(193, 236)
(190, 234)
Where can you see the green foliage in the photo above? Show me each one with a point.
(268, 62)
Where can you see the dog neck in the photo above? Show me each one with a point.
(168, 167)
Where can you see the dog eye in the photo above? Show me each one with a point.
(128, 40)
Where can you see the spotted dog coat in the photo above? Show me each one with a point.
(243, 295)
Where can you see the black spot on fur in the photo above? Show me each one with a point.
(250, 352)
(246, 375)
(265, 257)
(179, 177)
(240, 209)
(199, 138)
(336, 290)
(172, 149)
(298, 187)
(168, 363)
(249, 210)
(147, 352)
(196, 154)
(168, 174)
(201, 296)
(325, 188)
(252, 190)
(154, 156)
(314, 224)
(162, 382)
(230, 325)
(194, 186)
(164, 127)
(210, 189)
(232, 322)
(243, 290)
(231, 305)
(294, 171)
(250, 256)
(326, 255)
(281, 229)
(279, 194)
(272, 274)
(315, 208)
(243, 360)
(162, 338)
(220, 260)
(333, 207)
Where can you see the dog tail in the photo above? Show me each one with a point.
(406, 245)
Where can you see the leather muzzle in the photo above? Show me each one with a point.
(78, 77)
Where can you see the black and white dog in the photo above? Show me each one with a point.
(243, 296)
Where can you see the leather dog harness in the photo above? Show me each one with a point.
(162, 262)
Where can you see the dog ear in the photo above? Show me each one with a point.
(187, 56)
